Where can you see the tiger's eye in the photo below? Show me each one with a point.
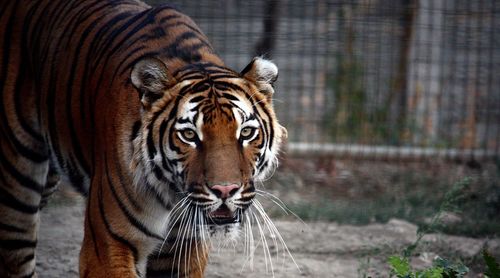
(188, 134)
(246, 132)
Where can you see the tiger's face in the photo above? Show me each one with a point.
(208, 136)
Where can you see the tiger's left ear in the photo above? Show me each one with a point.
(263, 73)
(151, 77)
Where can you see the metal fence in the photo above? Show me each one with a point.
(402, 78)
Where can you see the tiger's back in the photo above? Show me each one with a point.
(70, 106)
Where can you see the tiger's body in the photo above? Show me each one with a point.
(132, 105)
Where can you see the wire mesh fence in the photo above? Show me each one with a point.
(405, 78)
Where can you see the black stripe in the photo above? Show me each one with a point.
(169, 17)
(157, 172)
(162, 255)
(103, 29)
(131, 218)
(7, 43)
(32, 274)
(247, 68)
(230, 97)
(194, 76)
(76, 177)
(11, 201)
(3, 7)
(135, 130)
(38, 59)
(26, 259)
(23, 180)
(190, 27)
(270, 122)
(88, 216)
(159, 273)
(207, 67)
(183, 121)
(130, 53)
(174, 49)
(22, 149)
(222, 85)
(50, 27)
(197, 99)
(120, 69)
(20, 81)
(123, 182)
(16, 244)
(10, 228)
(24, 40)
(149, 140)
(216, 76)
(114, 235)
(171, 145)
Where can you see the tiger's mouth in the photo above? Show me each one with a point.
(222, 216)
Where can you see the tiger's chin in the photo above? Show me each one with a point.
(225, 233)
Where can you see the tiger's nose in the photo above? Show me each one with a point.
(225, 191)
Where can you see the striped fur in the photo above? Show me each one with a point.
(133, 106)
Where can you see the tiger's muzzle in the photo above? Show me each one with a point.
(222, 204)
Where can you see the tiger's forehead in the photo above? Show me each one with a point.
(210, 104)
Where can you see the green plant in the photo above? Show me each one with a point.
(441, 268)
(492, 265)
(449, 204)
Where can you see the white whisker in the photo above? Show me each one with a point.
(178, 241)
(265, 246)
(280, 204)
(264, 215)
(175, 209)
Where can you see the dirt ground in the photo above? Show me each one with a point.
(319, 249)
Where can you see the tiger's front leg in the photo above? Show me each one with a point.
(114, 244)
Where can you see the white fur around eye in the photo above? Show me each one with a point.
(252, 124)
(180, 127)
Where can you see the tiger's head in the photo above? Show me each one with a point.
(208, 135)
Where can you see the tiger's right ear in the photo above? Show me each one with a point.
(150, 76)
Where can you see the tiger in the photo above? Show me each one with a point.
(131, 105)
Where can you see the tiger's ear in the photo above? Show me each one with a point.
(150, 76)
(263, 73)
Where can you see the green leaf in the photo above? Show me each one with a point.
(493, 268)
(451, 270)
(433, 272)
(400, 266)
